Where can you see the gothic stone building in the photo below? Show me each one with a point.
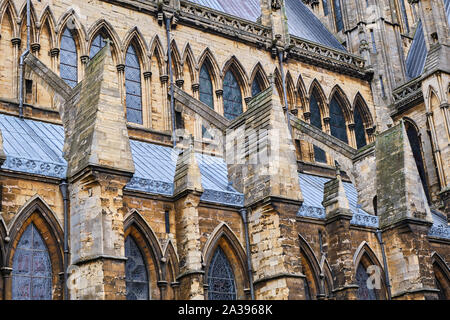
(224, 149)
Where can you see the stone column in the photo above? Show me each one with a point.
(188, 190)
(405, 217)
(99, 166)
(337, 225)
(264, 167)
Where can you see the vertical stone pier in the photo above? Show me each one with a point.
(99, 166)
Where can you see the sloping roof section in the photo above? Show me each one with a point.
(312, 189)
(440, 228)
(302, 22)
(33, 147)
(415, 61)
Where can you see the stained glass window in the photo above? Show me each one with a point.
(221, 278)
(414, 141)
(364, 293)
(97, 45)
(206, 87)
(325, 7)
(338, 15)
(316, 120)
(32, 269)
(133, 86)
(232, 97)
(359, 129)
(256, 85)
(337, 121)
(68, 59)
(135, 272)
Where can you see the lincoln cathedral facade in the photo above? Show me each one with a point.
(224, 149)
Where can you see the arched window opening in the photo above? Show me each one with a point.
(206, 86)
(133, 86)
(136, 277)
(257, 85)
(375, 205)
(221, 280)
(68, 59)
(359, 129)
(97, 45)
(337, 121)
(311, 288)
(232, 96)
(365, 292)
(442, 281)
(32, 269)
(316, 120)
(338, 15)
(414, 141)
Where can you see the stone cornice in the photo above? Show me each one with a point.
(407, 96)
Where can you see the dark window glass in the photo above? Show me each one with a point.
(374, 47)
(133, 86)
(316, 120)
(359, 129)
(256, 85)
(325, 7)
(32, 269)
(68, 65)
(135, 272)
(232, 97)
(364, 293)
(337, 121)
(414, 141)
(206, 87)
(221, 278)
(338, 15)
(97, 45)
(383, 92)
(404, 15)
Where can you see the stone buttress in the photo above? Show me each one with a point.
(405, 218)
(261, 162)
(99, 166)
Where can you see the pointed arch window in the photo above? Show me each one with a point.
(316, 120)
(206, 87)
(359, 129)
(232, 96)
(338, 15)
(414, 141)
(337, 121)
(364, 292)
(68, 66)
(221, 280)
(256, 85)
(97, 45)
(136, 276)
(133, 86)
(32, 270)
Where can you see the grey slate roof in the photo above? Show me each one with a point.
(415, 61)
(312, 190)
(301, 20)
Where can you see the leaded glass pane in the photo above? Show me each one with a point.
(133, 86)
(221, 278)
(206, 88)
(256, 86)
(337, 121)
(319, 154)
(68, 66)
(32, 271)
(135, 272)
(364, 293)
(338, 15)
(414, 141)
(232, 97)
(359, 129)
(97, 45)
